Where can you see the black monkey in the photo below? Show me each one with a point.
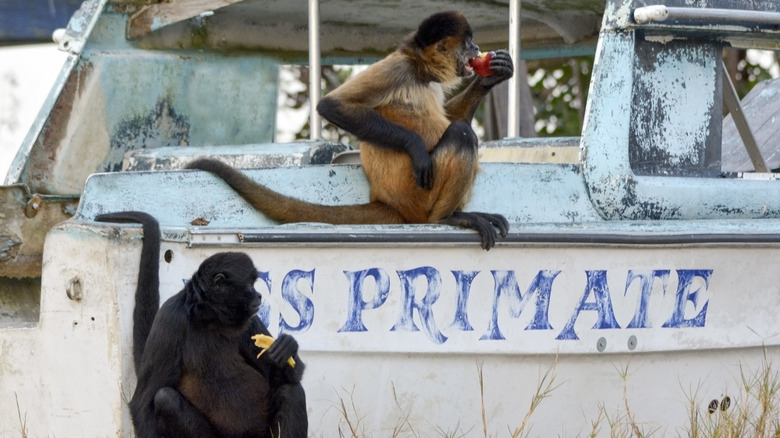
(198, 372)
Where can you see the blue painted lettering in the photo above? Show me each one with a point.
(421, 290)
(505, 283)
(302, 305)
(462, 287)
(265, 307)
(357, 304)
(646, 281)
(409, 303)
(686, 278)
(597, 283)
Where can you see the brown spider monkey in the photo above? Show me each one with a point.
(197, 366)
(419, 152)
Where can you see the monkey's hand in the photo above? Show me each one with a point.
(280, 351)
(422, 165)
(502, 66)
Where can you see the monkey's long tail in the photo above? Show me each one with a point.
(147, 292)
(285, 209)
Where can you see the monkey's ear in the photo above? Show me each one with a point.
(219, 278)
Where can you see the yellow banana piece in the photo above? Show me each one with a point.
(265, 341)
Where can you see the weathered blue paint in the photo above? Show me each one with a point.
(357, 303)
(171, 97)
(248, 156)
(420, 308)
(103, 106)
(506, 284)
(520, 191)
(611, 129)
(646, 281)
(685, 295)
(591, 265)
(463, 281)
(602, 305)
(301, 304)
(676, 109)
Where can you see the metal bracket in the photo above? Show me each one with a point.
(708, 16)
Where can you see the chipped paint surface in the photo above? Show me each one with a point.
(80, 26)
(106, 106)
(675, 114)
(22, 235)
(519, 197)
(250, 156)
(679, 127)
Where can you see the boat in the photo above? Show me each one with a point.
(635, 293)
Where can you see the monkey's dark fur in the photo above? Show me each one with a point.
(197, 366)
(419, 152)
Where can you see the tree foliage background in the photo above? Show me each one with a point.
(559, 90)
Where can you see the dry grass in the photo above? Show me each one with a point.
(352, 419)
(22, 420)
(754, 413)
(543, 389)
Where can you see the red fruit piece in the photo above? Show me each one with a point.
(481, 64)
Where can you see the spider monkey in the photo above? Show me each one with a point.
(419, 153)
(197, 366)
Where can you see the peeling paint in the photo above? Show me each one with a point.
(662, 39)
(678, 85)
(673, 111)
(157, 23)
(9, 245)
(162, 126)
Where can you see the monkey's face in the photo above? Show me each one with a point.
(449, 58)
(230, 297)
(445, 40)
(459, 50)
(465, 53)
(239, 299)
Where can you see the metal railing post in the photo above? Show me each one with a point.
(513, 113)
(315, 71)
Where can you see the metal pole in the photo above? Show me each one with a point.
(731, 99)
(513, 113)
(315, 71)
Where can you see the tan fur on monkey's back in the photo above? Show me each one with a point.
(419, 107)
(415, 105)
(419, 205)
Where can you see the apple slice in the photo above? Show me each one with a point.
(481, 64)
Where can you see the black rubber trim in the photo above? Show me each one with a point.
(551, 238)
